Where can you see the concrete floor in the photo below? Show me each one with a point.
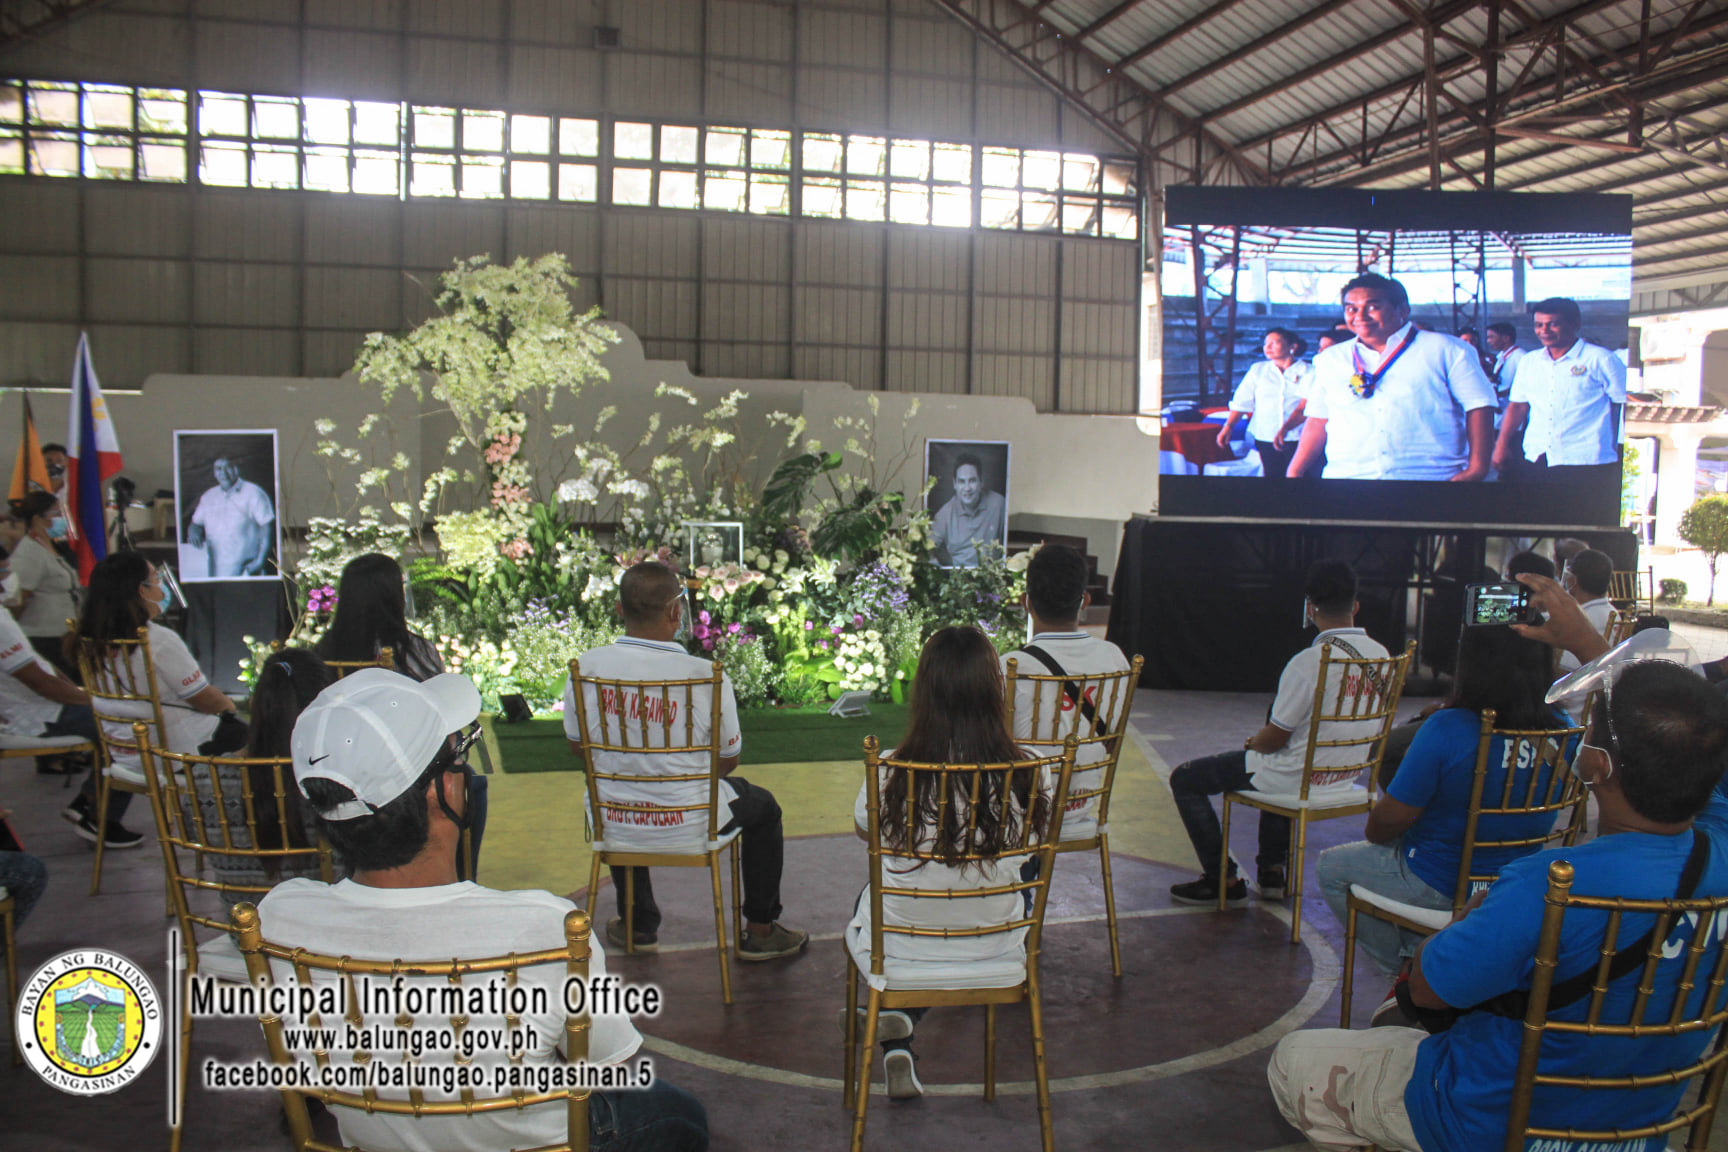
(1172, 1056)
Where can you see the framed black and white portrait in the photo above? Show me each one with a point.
(968, 502)
(225, 503)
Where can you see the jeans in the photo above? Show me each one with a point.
(662, 1118)
(1381, 868)
(24, 876)
(1194, 784)
(78, 720)
(764, 858)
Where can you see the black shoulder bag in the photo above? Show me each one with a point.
(1514, 1005)
(1070, 689)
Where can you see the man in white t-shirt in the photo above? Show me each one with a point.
(1571, 395)
(1056, 596)
(378, 756)
(1503, 343)
(233, 522)
(1586, 578)
(1395, 403)
(651, 601)
(1271, 761)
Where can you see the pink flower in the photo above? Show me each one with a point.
(517, 548)
(731, 584)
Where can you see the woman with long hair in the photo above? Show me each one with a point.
(372, 614)
(47, 584)
(1273, 395)
(1416, 830)
(956, 718)
(126, 594)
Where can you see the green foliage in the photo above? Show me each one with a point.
(1705, 527)
(788, 489)
(853, 531)
(1631, 465)
(1671, 591)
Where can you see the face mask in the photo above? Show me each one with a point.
(57, 528)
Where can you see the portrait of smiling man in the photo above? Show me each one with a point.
(976, 513)
(1396, 402)
(234, 520)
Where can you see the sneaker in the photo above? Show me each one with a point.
(890, 1025)
(1274, 883)
(1205, 891)
(645, 941)
(780, 941)
(117, 837)
(900, 1070)
(77, 810)
(1390, 1013)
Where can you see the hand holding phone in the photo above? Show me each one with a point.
(1497, 604)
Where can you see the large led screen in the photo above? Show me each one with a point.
(1405, 356)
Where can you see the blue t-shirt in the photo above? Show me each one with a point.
(1460, 1092)
(1436, 775)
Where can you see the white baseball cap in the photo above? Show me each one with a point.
(376, 731)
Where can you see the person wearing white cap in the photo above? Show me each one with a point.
(380, 759)
(651, 601)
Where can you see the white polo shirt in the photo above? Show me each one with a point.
(1571, 404)
(1412, 427)
(1598, 611)
(1080, 655)
(651, 660)
(1505, 364)
(234, 523)
(1281, 771)
(1270, 394)
(22, 711)
(178, 678)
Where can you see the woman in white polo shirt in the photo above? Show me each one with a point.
(1273, 394)
(956, 718)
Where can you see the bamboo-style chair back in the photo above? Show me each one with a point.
(1053, 716)
(119, 680)
(386, 660)
(963, 794)
(1355, 703)
(636, 717)
(259, 954)
(1541, 777)
(1620, 625)
(1696, 1004)
(1633, 591)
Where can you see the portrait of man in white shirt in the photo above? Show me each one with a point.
(231, 531)
(1567, 399)
(1395, 403)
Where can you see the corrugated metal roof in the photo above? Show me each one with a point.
(1312, 87)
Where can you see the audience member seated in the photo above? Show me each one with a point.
(651, 601)
(1272, 759)
(377, 757)
(956, 718)
(47, 584)
(36, 699)
(1056, 596)
(1657, 744)
(1416, 830)
(1586, 578)
(125, 595)
(23, 877)
(371, 615)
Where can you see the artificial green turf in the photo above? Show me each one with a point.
(771, 736)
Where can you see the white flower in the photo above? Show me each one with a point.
(323, 427)
(578, 491)
(1018, 561)
(781, 555)
(762, 562)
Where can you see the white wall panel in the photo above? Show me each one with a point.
(1097, 330)
(434, 235)
(328, 353)
(1097, 271)
(39, 216)
(830, 96)
(1023, 324)
(281, 11)
(661, 26)
(751, 30)
(37, 352)
(248, 57)
(657, 86)
(462, 18)
(247, 226)
(1016, 265)
(750, 361)
(838, 316)
(38, 287)
(360, 299)
(132, 291)
(838, 254)
(744, 249)
(136, 220)
(357, 65)
(1027, 115)
(548, 77)
(116, 47)
(352, 230)
(551, 22)
(926, 258)
(374, 14)
(860, 367)
(744, 313)
(1098, 385)
(845, 38)
(265, 295)
(454, 72)
(1030, 377)
(533, 232)
(926, 372)
(650, 244)
(243, 351)
(941, 47)
(749, 93)
(927, 320)
(131, 352)
(929, 108)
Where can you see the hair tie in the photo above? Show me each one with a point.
(285, 666)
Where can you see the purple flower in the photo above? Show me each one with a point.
(857, 621)
(734, 629)
(809, 624)
(834, 628)
(704, 617)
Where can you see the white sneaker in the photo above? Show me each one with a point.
(890, 1025)
(900, 1071)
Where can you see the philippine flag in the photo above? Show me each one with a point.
(92, 459)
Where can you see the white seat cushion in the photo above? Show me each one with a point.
(693, 847)
(11, 741)
(1433, 919)
(125, 773)
(4, 895)
(220, 957)
(1005, 971)
(1317, 798)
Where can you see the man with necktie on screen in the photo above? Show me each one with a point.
(1395, 403)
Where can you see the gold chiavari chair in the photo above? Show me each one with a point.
(1634, 591)
(259, 953)
(663, 724)
(1695, 1007)
(120, 688)
(386, 660)
(1619, 627)
(1100, 724)
(19, 747)
(1355, 703)
(243, 818)
(1551, 787)
(6, 939)
(1011, 979)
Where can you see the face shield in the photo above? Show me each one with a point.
(686, 618)
(1573, 692)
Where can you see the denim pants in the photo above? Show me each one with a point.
(24, 877)
(1385, 869)
(1194, 784)
(78, 720)
(763, 859)
(662, 1118)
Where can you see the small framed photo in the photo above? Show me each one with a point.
(968, 499)
(709, 543)
(226, 496)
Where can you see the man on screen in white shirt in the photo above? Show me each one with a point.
(651, 601)
(233, 523)
(1571, 393)
(1395, 403)
(1503, 343)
